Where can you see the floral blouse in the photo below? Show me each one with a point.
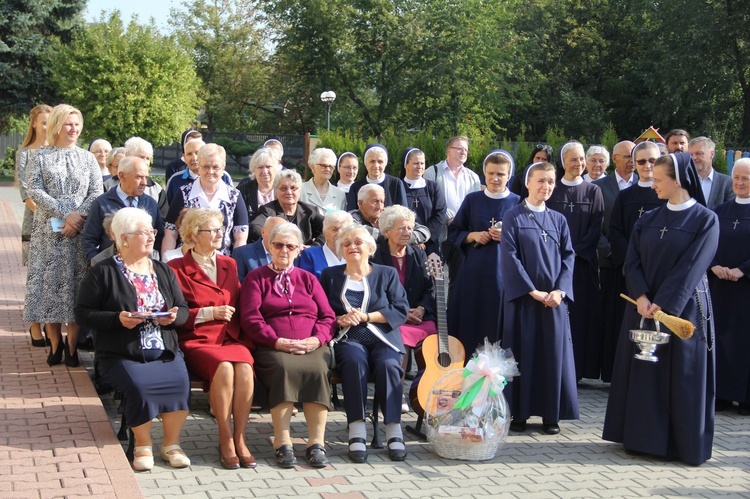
(150, 299)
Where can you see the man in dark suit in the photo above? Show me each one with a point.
(251, 256)
(610, 274)
(717, 187)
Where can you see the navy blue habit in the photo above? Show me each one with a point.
(582, 206)
(428, 204)
(729, 299)
(537, 254)
(475, 304)
(666, 408)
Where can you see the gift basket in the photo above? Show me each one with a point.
(467, 415)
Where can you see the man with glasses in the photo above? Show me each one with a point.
(456, 180)
(717, 187)
(319, 190)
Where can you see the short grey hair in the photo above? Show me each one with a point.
(365, 190)
(128, 164)
(137, 145)
(127, 220)
(100, 141)
(287, 229)
(366, 237)
(318, 154)
(212, 149)
(287, 174)
(392, 214)
(598, 150)
(337, 217)
(117, 151)
(710, 144)
(262, 156)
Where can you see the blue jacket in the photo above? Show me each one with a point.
(249, 257)
(96, 240)
(312, 260)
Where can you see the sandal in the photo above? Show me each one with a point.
(285, 456)
(177, 460)
(315, 455)
(143, 463)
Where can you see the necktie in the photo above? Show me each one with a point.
(131, 201)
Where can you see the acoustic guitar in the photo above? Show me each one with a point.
(438, 354)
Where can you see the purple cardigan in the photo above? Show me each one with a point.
(266, 316)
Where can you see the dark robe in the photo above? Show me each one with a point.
(729, 298)
(629, 206)
(666, 408)
(393, 187)
(583, 208)
(538, 336)
(428, 204)
(475, 305)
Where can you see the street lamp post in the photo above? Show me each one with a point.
(328, 97)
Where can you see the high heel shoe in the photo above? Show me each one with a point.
(71, 359)
(37, 343)
(55, 358)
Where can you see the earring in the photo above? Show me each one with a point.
(126, 244)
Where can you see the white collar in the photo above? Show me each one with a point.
(619, 178)
(331, 257)
(378, 180)
(682, 206)
(499, 195)
(572, 183)
(222, 193)
(416, 184)
(644, 183)
(537, 209)
(742, 200)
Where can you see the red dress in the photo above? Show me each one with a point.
(208, 344)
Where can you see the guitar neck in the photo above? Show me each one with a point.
(442, 323)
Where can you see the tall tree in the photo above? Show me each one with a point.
(27, 28)
(127, 81)
(225, 38)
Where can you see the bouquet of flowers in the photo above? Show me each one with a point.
(467, 415)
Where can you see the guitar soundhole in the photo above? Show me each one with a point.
(444, 359)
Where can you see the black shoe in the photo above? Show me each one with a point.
(396, 454)
(550, 428)
(37, 343)
(315, 455)
(518, 425)
(285, 457)
(71, 359)
(357, 456)
(55, 358)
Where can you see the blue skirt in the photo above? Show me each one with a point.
(151, 388)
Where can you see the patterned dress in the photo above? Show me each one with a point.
(23, 159)
(59, 180)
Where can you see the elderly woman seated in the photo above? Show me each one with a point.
(257, 188)
(133, 304)
(210, 338)
(307, 217)
(370, 306)
(397, 224)
(316, 258)
(285, 314)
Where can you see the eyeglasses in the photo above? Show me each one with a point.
(326, 167)
(349, 168)
(210, 168)
(459, 149)
(403, 230)
(350, 242)
(642, 162)
(288, 188)
(214, 232)
(281, 246)
(144, 233)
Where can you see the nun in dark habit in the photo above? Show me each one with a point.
(666, 408)
(375, 159)
(630, 205)
(474, 308)
(424, 197)
(730, 288)
(537, 266)
(582, 205)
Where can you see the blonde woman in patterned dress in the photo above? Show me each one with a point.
(63, 180)
(36, 137)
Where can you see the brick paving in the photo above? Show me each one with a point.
(78, 454)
